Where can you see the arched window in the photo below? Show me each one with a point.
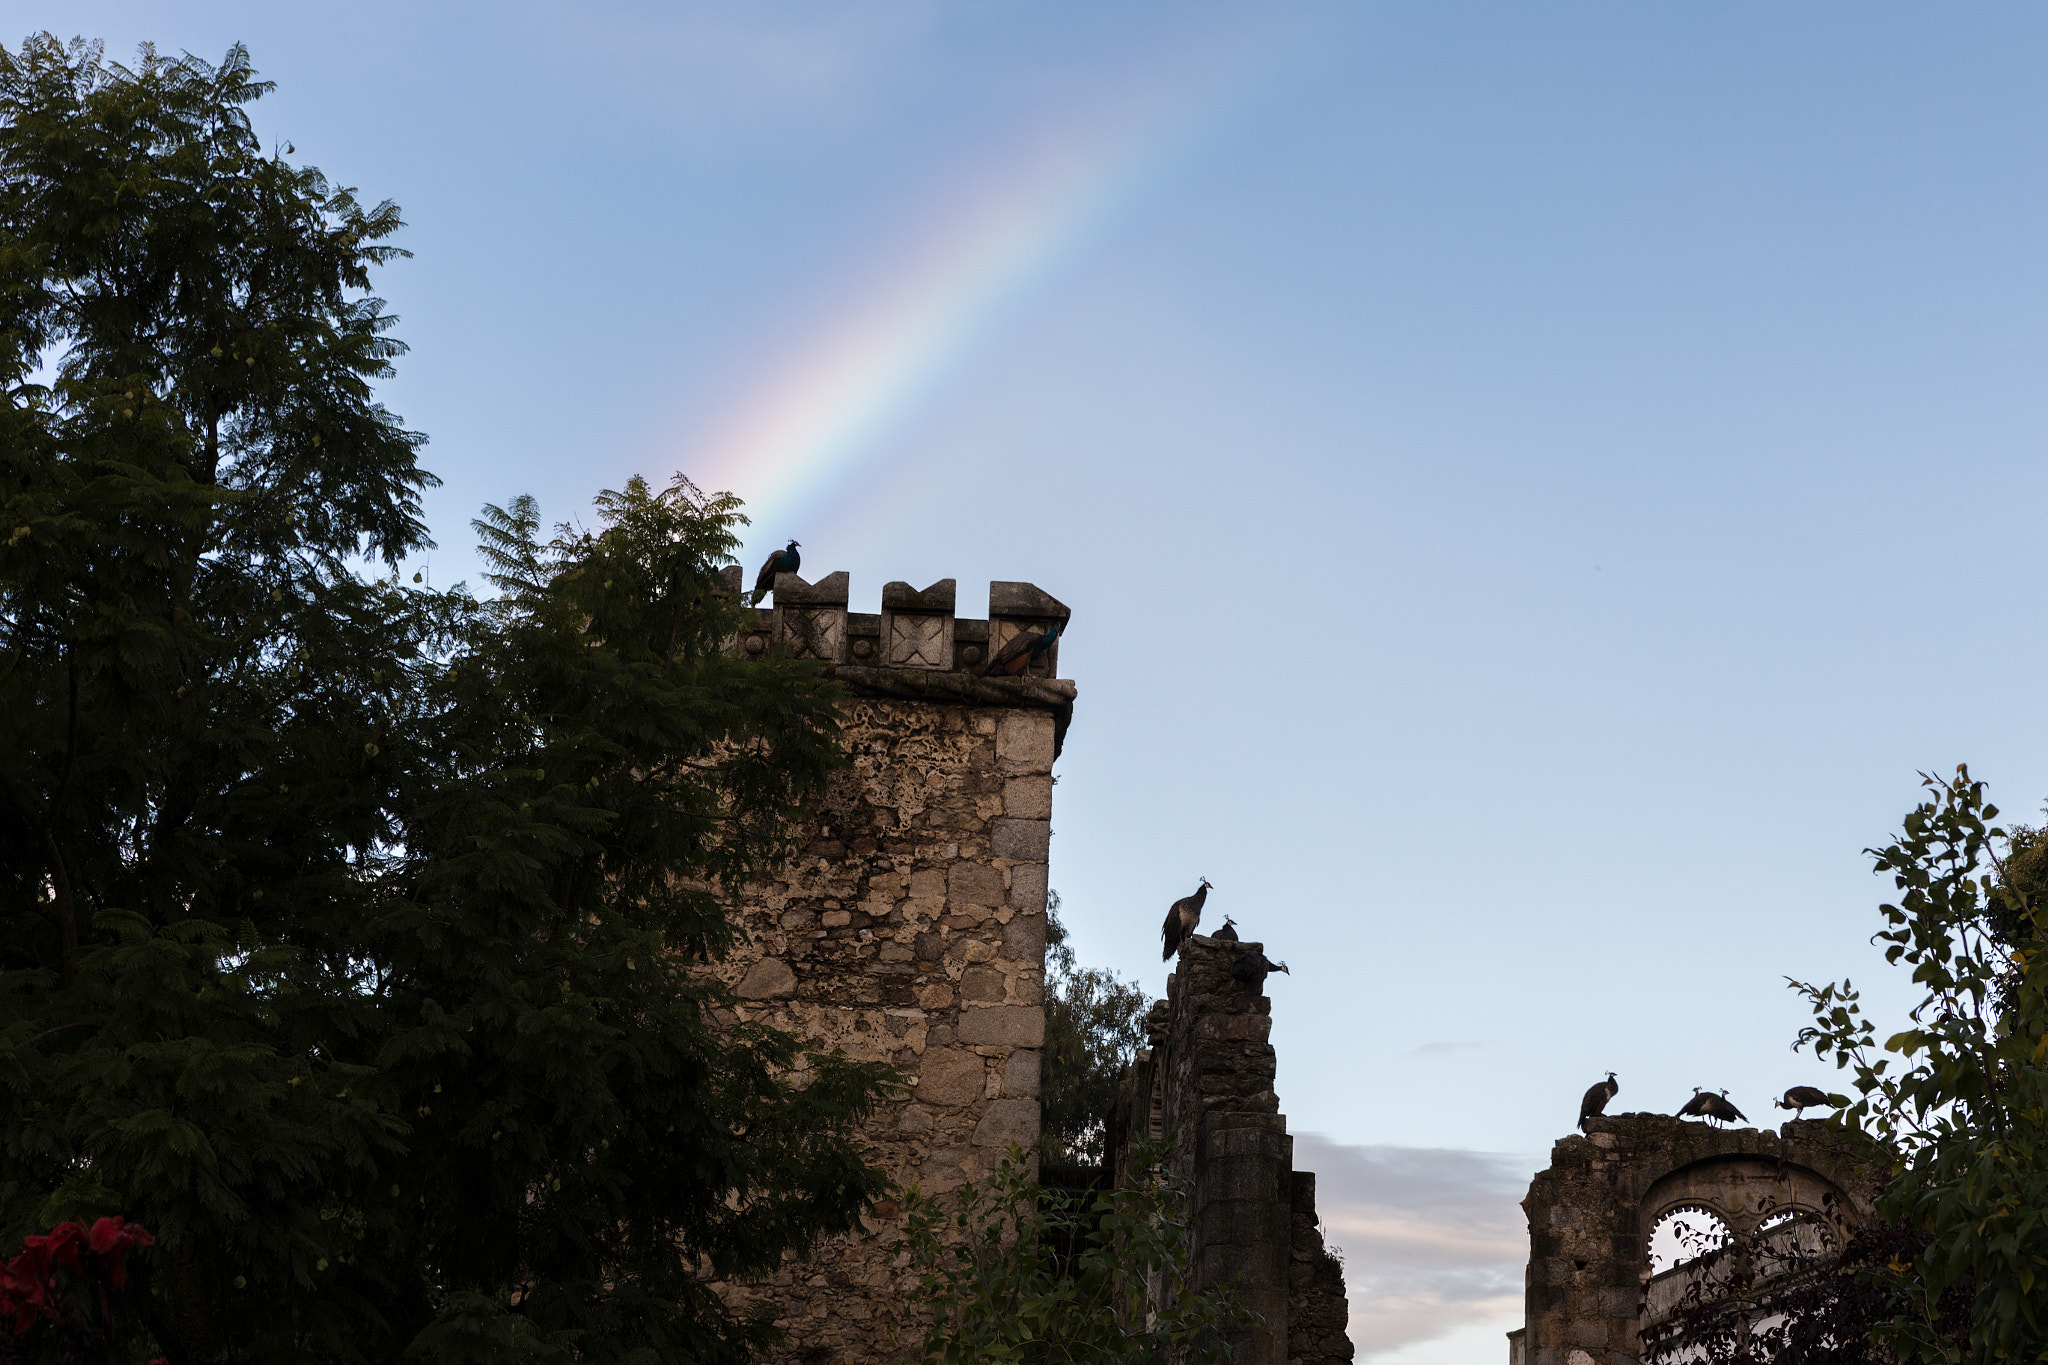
(1685, 1234)
(1791, 1241)
(1682, 1235)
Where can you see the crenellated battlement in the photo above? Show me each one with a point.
(915, 629)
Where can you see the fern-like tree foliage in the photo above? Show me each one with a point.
(352, 935)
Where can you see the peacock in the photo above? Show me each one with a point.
(1023, 652)
(1251, 969)
(781, 561)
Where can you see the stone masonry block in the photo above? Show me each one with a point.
(1027, 887)
(1024, 940)
(974, 884)
(768, 979)
(1024, 742)
(1262, 1142)
(1021, 1073)
(1003, 1026)
(1239, 1027)
(1028, 840)
(983, 985)
(1008, 1121)
(1246, 1178)
(950, 1076)
(1028, 798)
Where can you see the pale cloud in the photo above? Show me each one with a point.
(715, 71)
(1433, 1238)
(1446, 1049)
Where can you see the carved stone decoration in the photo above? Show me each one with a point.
(811, 617)
(917, 627)
(919, 641)
(818, 633)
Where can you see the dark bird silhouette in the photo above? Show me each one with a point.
(1714, 1108)
(1801, 1098)
(781, 561)
(1023, 652)
(1226, 934)
(1718, 1107)
(1181, 918)
(1596, 1099)
(1251, 969)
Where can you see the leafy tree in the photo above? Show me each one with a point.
(1001, 1288)
(1094, 1024)
(1961, 1096)
(351, 934)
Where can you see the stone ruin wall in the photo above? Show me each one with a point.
(1203, 1089)
(1592, 1212)
(911, 931)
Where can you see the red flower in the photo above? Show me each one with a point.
(60, 1245)
(111, 1238)
(24, 1294)
(26, 1281)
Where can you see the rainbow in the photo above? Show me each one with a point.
(821, 411)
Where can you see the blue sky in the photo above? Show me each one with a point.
(1534, 483)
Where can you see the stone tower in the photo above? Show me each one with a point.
(911, 930)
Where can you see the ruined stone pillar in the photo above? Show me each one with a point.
(1205, 1087)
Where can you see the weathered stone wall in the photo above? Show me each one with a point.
(912, 929)
(1592, 1212)
(1318, 1308)
(1204, 1088)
